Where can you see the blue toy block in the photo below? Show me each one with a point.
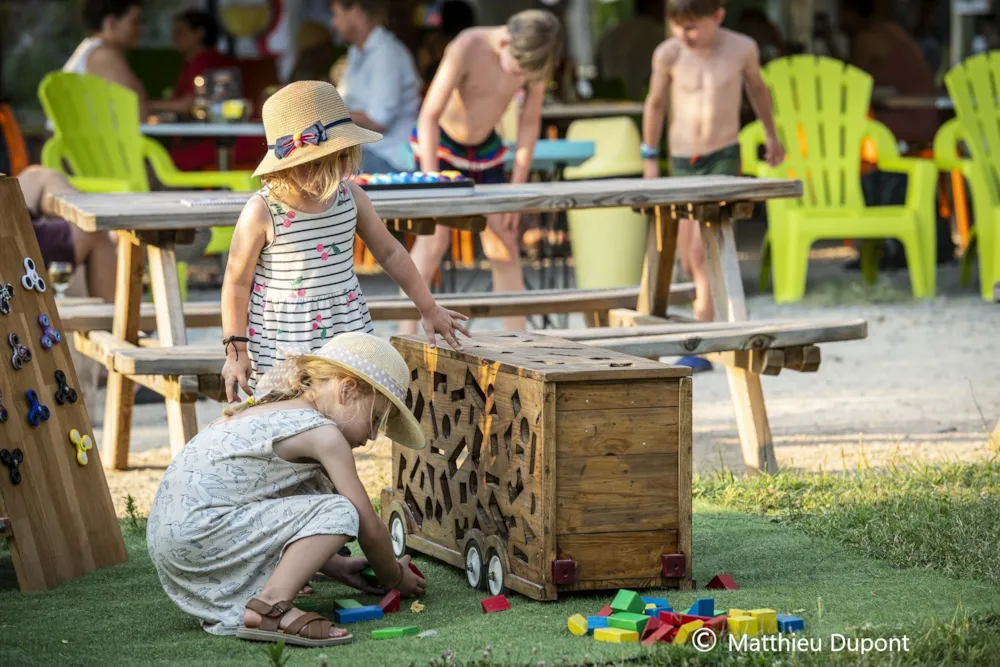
(655, 611)
(659, 602)
(789, 623)
(595, 622)
(358, 614)
(703, 607)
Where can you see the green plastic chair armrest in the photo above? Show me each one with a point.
(922, 177)
(172, 177)
(946, 146)
(751, 139)
(95, 184)
(884, 140)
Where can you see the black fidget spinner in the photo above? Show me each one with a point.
(13, 460)
(3, 411)
(64, 393)
(6, 296)
(22, 354)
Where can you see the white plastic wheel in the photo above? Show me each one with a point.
(473, 566)
(397, 533)
(494, 574)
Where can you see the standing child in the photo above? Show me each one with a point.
(290, 277)
(246, 513)
(481, 72)
(704, 68)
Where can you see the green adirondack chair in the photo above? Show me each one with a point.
(971, 85)
(820, 108)
(97, 142)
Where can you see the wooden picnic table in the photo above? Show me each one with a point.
(157, 221)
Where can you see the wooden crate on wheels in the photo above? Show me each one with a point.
(550, 466)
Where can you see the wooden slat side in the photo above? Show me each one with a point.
(571, 397)
(684, 473)
(612, 556)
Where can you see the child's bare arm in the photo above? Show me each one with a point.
(448, 75)
(654, 110)
(760, 100)
(529, 126)
(398, 265)
(249, 238)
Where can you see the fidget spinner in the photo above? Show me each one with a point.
(83, 444)
(37, 413)
(31, 280)
(22, 354)
(3, 411)
(6, 296)
(13, 460)
(64, 393)
(49, 335)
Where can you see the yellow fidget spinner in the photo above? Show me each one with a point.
(83, 444)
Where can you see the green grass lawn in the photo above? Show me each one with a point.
(838, 568)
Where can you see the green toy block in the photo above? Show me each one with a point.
(393, 633)
(369, 574)
(628, 621)
(628, 601)
(347, 604)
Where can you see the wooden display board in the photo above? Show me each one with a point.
(59, 519)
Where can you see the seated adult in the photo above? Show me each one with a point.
(381, 87)
(195, 35)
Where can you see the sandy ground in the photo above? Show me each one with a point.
(924, 385)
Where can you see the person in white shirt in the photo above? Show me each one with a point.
(381, 87)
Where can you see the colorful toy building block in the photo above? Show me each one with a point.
(671, 618)
(788, 623)
(718, 624)
(628, 601)
(687, 618)
(605, 611)
(356, 615)
(369, 574)
(685, 631)
(347, 604)
(616, 635)
(738, 612)
(767, 620)
(722, 582)
(740, 626)
(390, 603)
(652, 626)
(665, 633)
(595, 622)
(659, 602)
(577, 624)
(393, 633)
(496, 603)
(628, 621)
(656, 611)
(417, 572)
(703, 607)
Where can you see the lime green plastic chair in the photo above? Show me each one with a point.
(609, 245)
(971, 85)
(820, 109)
(97, 142)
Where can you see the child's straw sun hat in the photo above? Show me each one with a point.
(370, 358)
(306, 120)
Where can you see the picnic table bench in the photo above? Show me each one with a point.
(158, 221)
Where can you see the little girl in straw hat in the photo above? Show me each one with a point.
(245, 513)
(290, 277)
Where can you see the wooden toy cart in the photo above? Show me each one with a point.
(550, 466)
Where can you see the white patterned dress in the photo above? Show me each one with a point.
(228, 507)
(305, 290)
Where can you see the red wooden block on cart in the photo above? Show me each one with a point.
(564, 571)
(417, 572)
(496, 603)
(605, 611)
(390, 602)
(652, 625)
(722, 582)
(673, 565)
(666, 634)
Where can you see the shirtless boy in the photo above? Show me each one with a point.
(704, 68)
(482, 70)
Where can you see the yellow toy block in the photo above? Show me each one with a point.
(577, 625)
(738, 612)
(740, 626)
(767, 620)
(685, 631)
(616, 635)
(650, 606)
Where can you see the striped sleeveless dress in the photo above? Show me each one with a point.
(304, 289)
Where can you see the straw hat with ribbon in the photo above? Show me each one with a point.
(368, 357)
(304, 121)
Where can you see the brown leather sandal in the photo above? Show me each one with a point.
(309, 629)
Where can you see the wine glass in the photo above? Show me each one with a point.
(60, 273)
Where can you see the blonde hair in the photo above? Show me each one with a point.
(536, 41)
(307, 372)
(318, 179)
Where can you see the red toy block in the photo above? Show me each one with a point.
(664, 633)
(687, 618)
(671, 619)
(673, 565)
(390, 602)
(652, 625)
(722, 582)
(497, 603)
(564, 571)
(606, 611)
(718, 624)
(417, 572)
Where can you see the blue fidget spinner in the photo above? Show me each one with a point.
(37, 413)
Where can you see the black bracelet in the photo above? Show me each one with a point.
(232, 340)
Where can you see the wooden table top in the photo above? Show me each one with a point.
(153, 211)
(594, 109)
